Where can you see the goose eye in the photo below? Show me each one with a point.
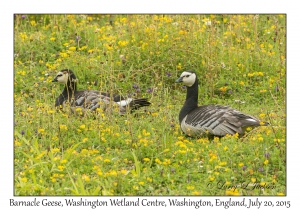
(187, 76)
(59, 75)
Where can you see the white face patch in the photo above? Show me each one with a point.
(62, 77)
(188, 78)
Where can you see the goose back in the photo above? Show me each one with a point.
(216, 120)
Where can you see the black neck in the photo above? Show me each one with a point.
(67, 94)
(70, 88)
(191, 101)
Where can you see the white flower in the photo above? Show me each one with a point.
(223, 65)
(208, 23)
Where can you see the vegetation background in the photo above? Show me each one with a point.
(240, 60)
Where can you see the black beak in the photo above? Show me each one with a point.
(55, 79)
(179, 79)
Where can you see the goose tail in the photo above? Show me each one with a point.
(138, 103)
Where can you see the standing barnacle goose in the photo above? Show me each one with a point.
(92, 99)
(213, 120)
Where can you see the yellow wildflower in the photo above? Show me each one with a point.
(41, 130)
(232, 192)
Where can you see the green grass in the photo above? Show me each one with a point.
(240, 60)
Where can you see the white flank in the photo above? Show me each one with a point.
(252, 120)
(124, 102)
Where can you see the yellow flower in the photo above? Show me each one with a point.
(52, 39)
(223, 89)
(232, 192)
(82, 127)
(146, 159)
(166, 150)
(41, 130)
(63, 127)
(262, 115)
(122, 43)
(61, 167)
(154, 114)
(55, 150)
(260, 73)
(63, 54)
(85, 178)
(123, 20)
(82, 48)
(33, 23)
(262, 183)
(84, 140)
(106, 160)
(23, 73)
(99, 172)
(23, 36)
(50, 111)
(84, 151)
(123, 171)
(157, 161)
(182, 32)
(182, 151)
(179, 66)
(223, 163)
(141, 183)
(24, 179)
(63, 161)
(72, 48)
(266, 162)
(196, 193)
(190, 187)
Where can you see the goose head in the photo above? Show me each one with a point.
(188, 78)
(65, 76)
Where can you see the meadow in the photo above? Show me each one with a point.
(240, 61)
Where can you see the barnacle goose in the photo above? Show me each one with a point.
(214, 120)
(92, 99)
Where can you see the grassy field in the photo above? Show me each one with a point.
(240, 60)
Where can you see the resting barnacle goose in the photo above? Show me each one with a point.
(214, 120)
(92, 99)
